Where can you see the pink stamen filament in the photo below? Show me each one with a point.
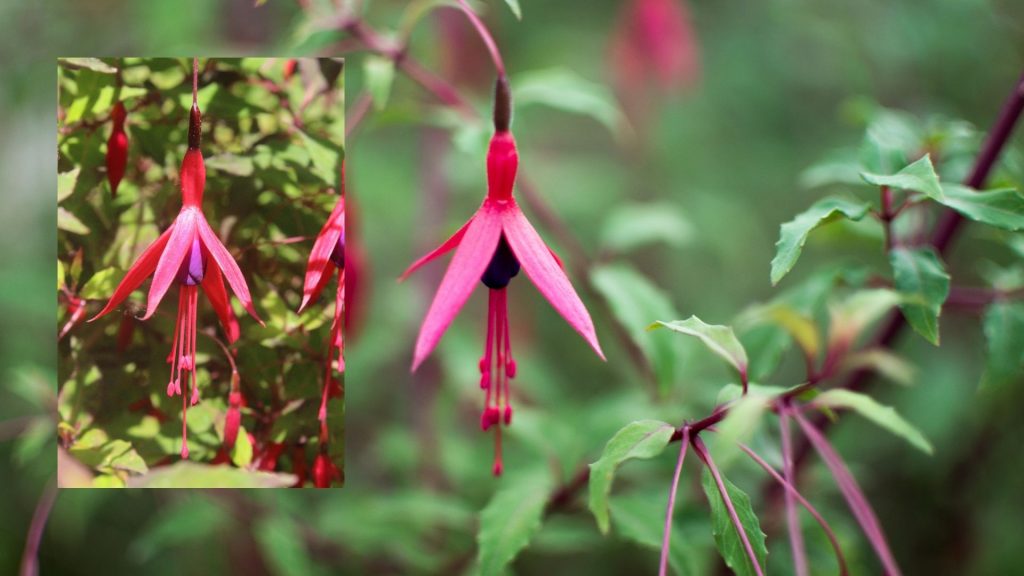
(183, 357)
(497, 368)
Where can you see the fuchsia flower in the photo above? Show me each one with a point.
(491, 248)
(117, 148)
(327, 255)
(184, 254)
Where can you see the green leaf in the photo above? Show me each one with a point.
(513, 5)
(885, 363)
(852, 315)
(634, 302)
(60, 274)
(727, 539)
(380, 75)
(740, 423)
(191, 518)
(1004, 331)
(719, 339)
(241, 453)
(70, 223)
(101, 285)
(94, 64)
(635, 225)
(793, 234)
(800, 327)
(920, 276)
(66, 183)
(230, 164)
(511, 518)
(281, 543)
(884, 416)
(643, 439)
(1002, 208)
(194, 475)
(634, 516)
(325, 157)
(566, 90)
(919, 177)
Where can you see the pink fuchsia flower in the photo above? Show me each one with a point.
(328, 255)
(653, 50)
(117, 148)
(324, 471)
(491, 248)
(183, 254)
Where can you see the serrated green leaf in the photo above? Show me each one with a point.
(719, 339)
(66, 183)
(635, 225)
(380, 75)
(1002, 208)
(194, 475)
(727, 539)
(919, 176)
(511, 518)
(793, 234)
(642, 439)
(920, 276)
(634, 302)
(70, 223)
(884, 416)
(1004, 332)
(101, 285)
(282, 545)
(566, 90)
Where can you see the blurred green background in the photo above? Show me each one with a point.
(782, 84)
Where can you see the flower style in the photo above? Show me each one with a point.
(327, 255)
(184, 254)
(491, 248)
(117, 148)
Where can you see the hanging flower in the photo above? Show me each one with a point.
(328, 255)
(653, 52)
(183, 254)
(491, 248)
(324, 471)
(117, 148)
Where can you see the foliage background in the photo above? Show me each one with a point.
(782, 84)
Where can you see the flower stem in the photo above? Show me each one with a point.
(702, 453)
(663, 566)
(30, 558)
(485, 35)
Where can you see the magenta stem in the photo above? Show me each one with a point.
(796, 537)
(790, 489)
(30, 558)
(663, 566)
(702, 453)
(485, 35)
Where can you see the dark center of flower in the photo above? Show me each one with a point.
(502, 268)
(338, 254)
(193, 267)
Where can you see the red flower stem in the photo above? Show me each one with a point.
(829, 533)
(485, 35)
(358, 112)
(30, 557)
(702, 453)
(663, 565)
(796, 537)
(195, 81)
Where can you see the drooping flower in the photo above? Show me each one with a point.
(328, 255)
(117, 148)
(491, 248)
(324, 471)
(653, 52)
(190, 254)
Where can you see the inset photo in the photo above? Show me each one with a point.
(200, 272)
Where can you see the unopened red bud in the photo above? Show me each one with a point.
(510, 368)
